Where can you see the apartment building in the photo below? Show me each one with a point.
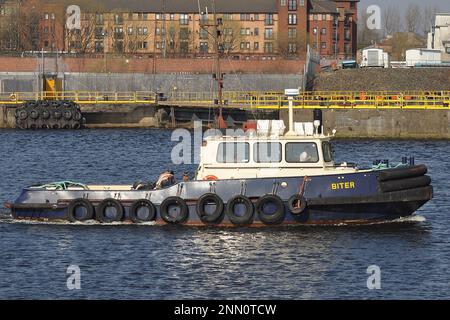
(257, 28)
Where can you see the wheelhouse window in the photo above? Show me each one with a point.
(327, 151)
(233, 152)
(265, 152)
(301, 152)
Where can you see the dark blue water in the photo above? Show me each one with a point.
(151, 262)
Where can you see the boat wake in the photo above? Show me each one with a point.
(6, 218)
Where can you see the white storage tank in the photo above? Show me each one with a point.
(423, 57)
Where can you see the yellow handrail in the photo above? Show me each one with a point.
(250, 99)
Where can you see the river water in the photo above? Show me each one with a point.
(163, 262)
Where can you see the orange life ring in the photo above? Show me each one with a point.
(210, 178)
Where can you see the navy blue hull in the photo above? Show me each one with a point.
(331, 199)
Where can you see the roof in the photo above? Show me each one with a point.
(185, 6)
(323, 6)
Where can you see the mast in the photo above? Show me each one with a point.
(219, 50)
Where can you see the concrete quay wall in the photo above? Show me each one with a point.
(380, 124)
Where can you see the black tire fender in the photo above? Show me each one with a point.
(56, 114)
(133, 213)
(182, 217)
(297, 204)
(67, 114)
(74, 204)
(218, 214)
(22, 114)
(77, 115)
(45, 114)
(402, 173)
(247, 217)
(100, 212)
(405, 184)
(270, 219)
(34, 114)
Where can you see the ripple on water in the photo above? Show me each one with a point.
(165, 262)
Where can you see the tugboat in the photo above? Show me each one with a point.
(256, 179)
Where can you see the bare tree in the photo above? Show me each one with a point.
(366, 36)
(291, 45)
(428, 18)
(232, 36)
(391, 20)
(413, 18)
(136, 38)
(81, 41)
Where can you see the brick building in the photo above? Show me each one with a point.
(258, 28)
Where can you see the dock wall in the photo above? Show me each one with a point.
(381, 124)
(361, 123)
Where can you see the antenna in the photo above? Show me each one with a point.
(219, 47)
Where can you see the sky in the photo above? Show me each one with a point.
(443, 5)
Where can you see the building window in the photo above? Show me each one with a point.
(256, 46)
(292, 5)
(302, 3)
(99, 18)
(324, 17)
(245, 17)
(226, 31)
(99, 46)
(347, 35)
(118, 18)
(292, 33)
(130, 30)
(347, 48)
(292, 48)
(204, 47)
(268, 33)
(245, 45)
(315, 17)
(268, 47)
(323, 45)
(268, 21)
(283, 3)
(256, 17)
(203, 34)
(256, 33)
(184, 33)
(292, 19)
(314, 30)
(172, 17)
(99, 33)
(227, 16)
(184, 19)
(323, 31)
